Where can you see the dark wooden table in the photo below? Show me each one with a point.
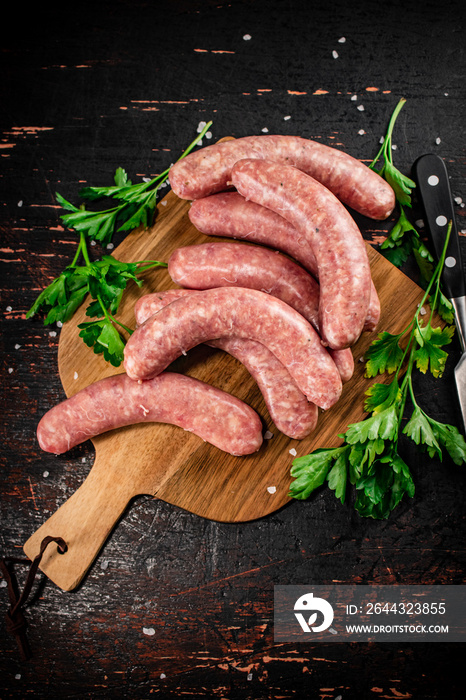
(92, 86)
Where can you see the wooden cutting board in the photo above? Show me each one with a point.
(177, 466)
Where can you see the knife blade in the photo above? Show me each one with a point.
(433, 187)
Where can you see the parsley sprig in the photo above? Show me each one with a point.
(105, 280)
(403, 238)
(369, 458)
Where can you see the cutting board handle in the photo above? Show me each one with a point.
(84, 521)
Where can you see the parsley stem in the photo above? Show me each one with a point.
(385, 148)
(110, 317)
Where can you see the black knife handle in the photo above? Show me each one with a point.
(433, 187)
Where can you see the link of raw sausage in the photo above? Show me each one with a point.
(223, 264)
(230, 215)
(238, 312)
(208, 170)
(340, 251)
(289, 409)
(212, 414)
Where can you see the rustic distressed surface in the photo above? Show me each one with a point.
(178, 605)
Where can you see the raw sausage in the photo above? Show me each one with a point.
(208, 170)
(289, 409)
(231, 215)
(340, 251)
(222, 264)
(238, 312)
(113, 402)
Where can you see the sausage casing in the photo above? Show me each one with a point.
(214, 415)
(289, 409)
(208, 170)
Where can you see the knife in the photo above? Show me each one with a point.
(434, 192)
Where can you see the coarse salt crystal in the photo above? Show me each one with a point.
(59, 324)
(249, 677)
(265, 130)
(293, 452)
(286, 118)
(423, 311)
(52, 334)
(268, 435)
(361, 132)
(361, 108)
(208, 134)
(110, 246)
(419, 223)
(162, 675)
(10, 370)
(458, 200)
(271, 489)
(437, 140)
(201, 126)
(3, 583)
(18, 676)
(342, 40)
(164, 203)
(335, 54)
(17, 346)
(45, 474)
(150, 631)
(75, 375)
(93, 243)
(354, 98)
(247, 37)
(20, 203)
(9, 308)
(104, 565)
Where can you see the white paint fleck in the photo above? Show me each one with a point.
(265, 130)
(150, 631)
(293, 452)
(271, 489)
(45, 474)
(247, 37)
(361, 108)
(20, 203)
(17, 346)
(268, 435)
(335, 54)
